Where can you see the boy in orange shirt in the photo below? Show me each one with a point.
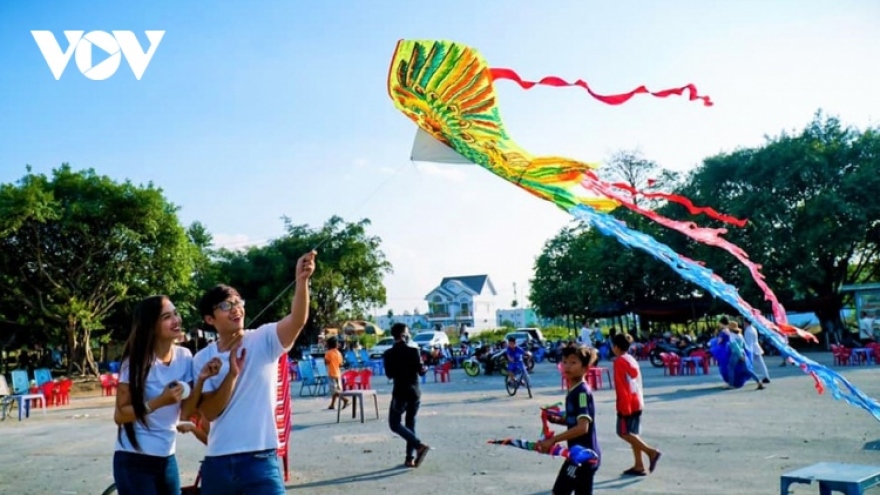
(630, 402)
(333, 359)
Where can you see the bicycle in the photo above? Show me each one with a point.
(520, 378)
(184, 490)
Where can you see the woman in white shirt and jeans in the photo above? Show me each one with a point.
(149, 400)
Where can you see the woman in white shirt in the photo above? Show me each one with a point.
(154, 378)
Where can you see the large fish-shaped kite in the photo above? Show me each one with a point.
(446, 88)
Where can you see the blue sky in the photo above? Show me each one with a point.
(253, 110)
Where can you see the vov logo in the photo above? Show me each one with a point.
(119, 44)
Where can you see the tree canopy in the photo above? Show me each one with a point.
(813, 224)
(76, 244)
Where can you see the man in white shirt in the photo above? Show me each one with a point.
(239, 401)
(586, 335)
(750, 335)
(866, 330)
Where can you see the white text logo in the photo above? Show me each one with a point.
(119, 44)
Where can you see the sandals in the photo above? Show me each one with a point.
(634, 472)
(653, 464)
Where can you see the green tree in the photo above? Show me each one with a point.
(347, 281)
(811, 202)
(75, 245)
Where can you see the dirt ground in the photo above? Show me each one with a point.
(714, 441)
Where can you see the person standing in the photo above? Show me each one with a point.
(150, 400)
(630, 403)
(333, 360)
(403, 364)
(580, 418)
(239, 402)
(750, 335)
(586, 336)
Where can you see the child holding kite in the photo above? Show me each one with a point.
(580, 414)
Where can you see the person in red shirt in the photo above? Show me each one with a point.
(630, 402)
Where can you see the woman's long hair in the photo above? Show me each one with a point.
(139, 353)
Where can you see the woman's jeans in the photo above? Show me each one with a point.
(248, 473)
(141, 474)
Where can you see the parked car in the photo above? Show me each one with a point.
(381, 346)
(525, 336)
(429, 339)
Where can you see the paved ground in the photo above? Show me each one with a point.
(714, 441)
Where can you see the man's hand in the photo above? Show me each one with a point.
(305, 266)
(211, 368)
(236, 361)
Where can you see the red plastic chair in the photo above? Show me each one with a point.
(108, 384)
(364, 379)
(283, 413)
(442, 370)
(50, 392)
(350, 380)
(63, 397)
(704, 359)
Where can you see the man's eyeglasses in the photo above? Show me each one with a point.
(226, 305)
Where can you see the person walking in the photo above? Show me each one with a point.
(403, 365)
(750, 335)
(630, 404)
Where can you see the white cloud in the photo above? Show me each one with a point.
(451, 172)
(387, 170)
(360, 162)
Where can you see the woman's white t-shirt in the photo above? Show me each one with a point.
(159, 438)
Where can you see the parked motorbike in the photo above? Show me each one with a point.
(490, 361)
(662, 346)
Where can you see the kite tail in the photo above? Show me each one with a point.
(498, 73)
(708, 236)
(705, 278)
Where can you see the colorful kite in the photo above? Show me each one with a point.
(577, 454)
(553, 410)
(447, 89)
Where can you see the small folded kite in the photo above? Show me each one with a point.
(577, 455)
(552, 410)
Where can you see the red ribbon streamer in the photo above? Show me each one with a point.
(675, 198)
(609, 99)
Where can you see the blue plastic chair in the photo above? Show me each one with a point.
(42, 375)
(351, 360)
(20, 382)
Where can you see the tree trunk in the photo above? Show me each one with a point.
(80, 351)
(72, 347)
(829, 319)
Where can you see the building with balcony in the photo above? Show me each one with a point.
(467, 299)
(415, 322)
(518, 317)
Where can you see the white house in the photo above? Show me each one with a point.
(414, 322)
(520, 317)
(468, 299)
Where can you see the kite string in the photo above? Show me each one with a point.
(321, 243)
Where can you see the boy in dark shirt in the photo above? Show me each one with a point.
(580, 412)
(403, 364)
